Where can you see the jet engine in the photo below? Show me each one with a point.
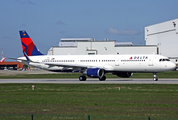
(95, 72)
(124, 74)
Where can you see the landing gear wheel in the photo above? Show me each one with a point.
(102, 78)
(82, 78)
(155, 79)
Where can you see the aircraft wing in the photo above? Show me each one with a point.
(72, 65)
(81, 66)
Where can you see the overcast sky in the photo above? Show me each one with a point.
(47, 21)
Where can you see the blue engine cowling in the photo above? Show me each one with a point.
(124, 74)
(95, 72)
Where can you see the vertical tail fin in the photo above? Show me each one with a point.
(3, 59)
(27, 45)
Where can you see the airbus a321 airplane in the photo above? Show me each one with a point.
(95, 66)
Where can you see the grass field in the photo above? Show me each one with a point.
(172, 74)
(135, 100)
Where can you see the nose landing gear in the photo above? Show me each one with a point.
(155, 77)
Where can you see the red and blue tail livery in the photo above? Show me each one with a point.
(27, 45)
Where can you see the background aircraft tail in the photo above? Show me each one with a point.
(3, 59)
(27, 45)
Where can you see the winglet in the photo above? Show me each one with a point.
(27, 45)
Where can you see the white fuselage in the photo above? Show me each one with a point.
(110, 63)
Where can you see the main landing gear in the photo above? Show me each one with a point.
(155, 77)
(82, 78)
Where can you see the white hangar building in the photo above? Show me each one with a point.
(165, 36)
(160, 38)
(88, 46)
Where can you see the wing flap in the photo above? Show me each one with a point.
(66, 65)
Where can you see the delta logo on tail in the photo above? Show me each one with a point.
(27, 45)
(3, 59)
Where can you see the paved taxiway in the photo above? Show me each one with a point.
(93, 81)
(76, 81)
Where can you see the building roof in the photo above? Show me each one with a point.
(75, 39)
(10, 63)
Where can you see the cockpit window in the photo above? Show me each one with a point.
(164, 60)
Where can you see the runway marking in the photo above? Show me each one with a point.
(99, 89)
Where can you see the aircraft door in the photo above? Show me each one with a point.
(117, 62)
(38, 59)
(150, 62)
(39, 65)
(77, 60)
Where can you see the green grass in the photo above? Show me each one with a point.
(172, 74)
(136, 100)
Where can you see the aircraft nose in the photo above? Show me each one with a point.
(173, 66)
